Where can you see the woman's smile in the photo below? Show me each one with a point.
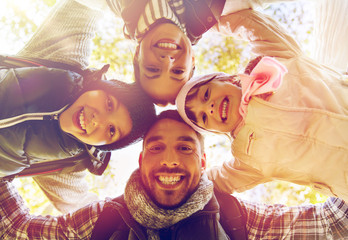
(96, 118)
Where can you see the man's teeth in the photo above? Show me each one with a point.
(224, 109)
(82, 120)
(169, 180)
(167, 45)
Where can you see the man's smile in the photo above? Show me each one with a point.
(169, 181)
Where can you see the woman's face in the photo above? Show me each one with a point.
(165, 61)
(96, 118)
(216, 106)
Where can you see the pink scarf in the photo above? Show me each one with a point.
(266, 77)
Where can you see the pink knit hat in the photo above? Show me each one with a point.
(181, 97)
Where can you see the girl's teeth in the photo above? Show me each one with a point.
(167, 45)
(169, 180)
(224, 109)
(82, 120)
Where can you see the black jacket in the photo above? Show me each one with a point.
(35, 145)
(115, 222)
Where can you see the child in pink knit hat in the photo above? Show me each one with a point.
(288, 117)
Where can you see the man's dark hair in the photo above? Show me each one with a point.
(174, 115)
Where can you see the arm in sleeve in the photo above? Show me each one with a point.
(327, 220)
(235, 175)
(17, 223)
(66, 35)
(66, 191)
(266, 36)
(100, 5)
(115, 6)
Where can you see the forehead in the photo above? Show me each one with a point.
(168, 129)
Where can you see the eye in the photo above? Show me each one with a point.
(152, 69)
(206, 95)
(156, 148)
(204, 118)
(178, 71)
(185, 149)
(112, 130)
(109, 104)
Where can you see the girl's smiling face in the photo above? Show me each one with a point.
(96, 118)
(215, 105)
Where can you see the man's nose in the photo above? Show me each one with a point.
(170, 159)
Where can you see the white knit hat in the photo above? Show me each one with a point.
(181, 97)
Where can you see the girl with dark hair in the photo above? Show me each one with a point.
(74, 111)
(51, 113)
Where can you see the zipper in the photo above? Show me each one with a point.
(9, 122)
(250, 143)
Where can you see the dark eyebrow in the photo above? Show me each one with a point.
(186, 139)
(181, 138)
(153, 139)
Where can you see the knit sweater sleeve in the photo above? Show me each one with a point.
(267, 36)
(65, 35)
(66, 191)
(235, 176)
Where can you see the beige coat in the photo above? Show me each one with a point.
(300, 134)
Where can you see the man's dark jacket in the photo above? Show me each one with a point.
(211, 223)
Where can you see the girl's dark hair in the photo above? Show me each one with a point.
(140, 108)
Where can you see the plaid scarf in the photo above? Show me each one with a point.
(149, 215)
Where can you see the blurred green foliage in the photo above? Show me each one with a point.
(212, 53)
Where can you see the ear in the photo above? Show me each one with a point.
(203, 163)
(140, 158)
